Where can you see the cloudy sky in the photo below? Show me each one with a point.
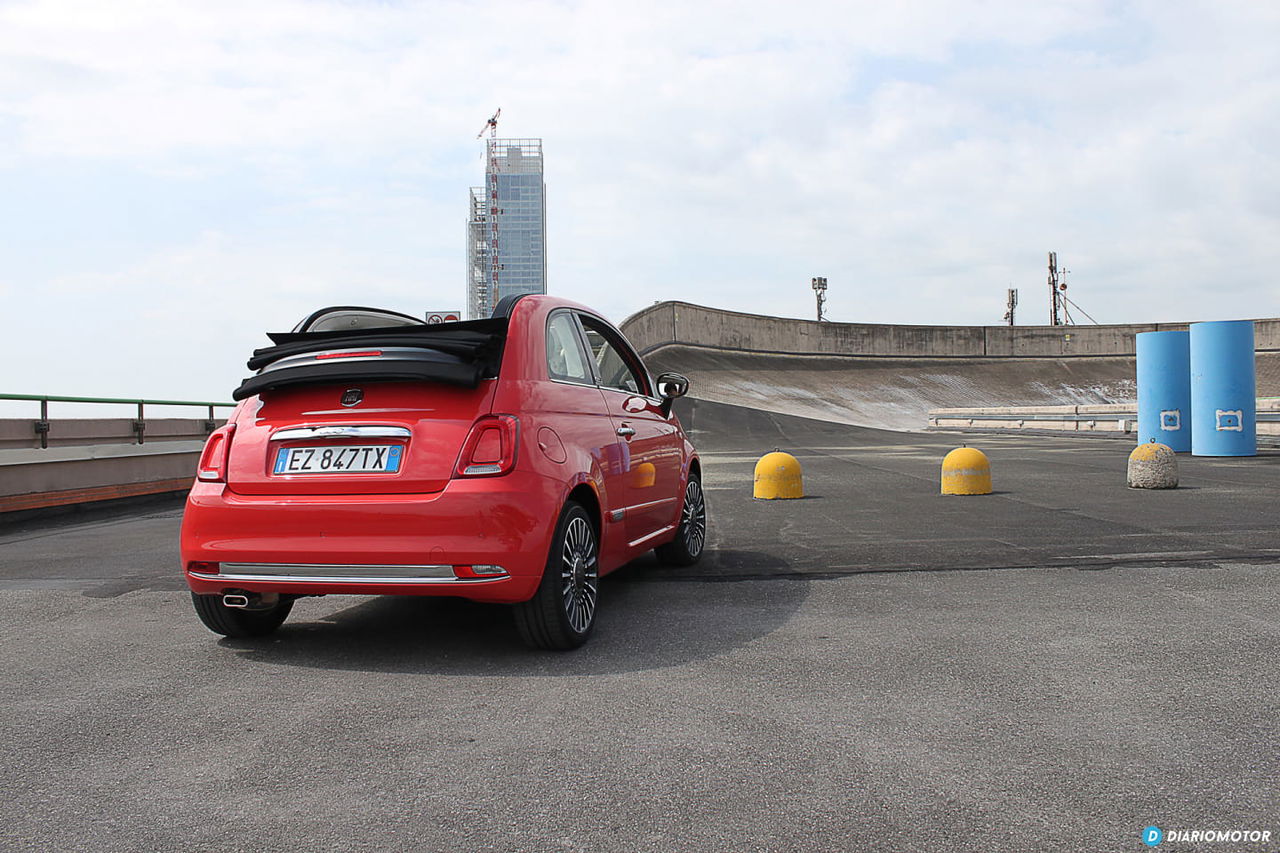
(176, 179)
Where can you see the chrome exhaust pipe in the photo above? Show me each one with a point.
(236, 600)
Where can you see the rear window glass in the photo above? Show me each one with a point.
(347, 319)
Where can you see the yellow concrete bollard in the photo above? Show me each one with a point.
(1153, 466)
(966, 471)
(778, 476)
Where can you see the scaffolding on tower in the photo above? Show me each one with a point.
(491, 182)
(479, 296)
(482, 231)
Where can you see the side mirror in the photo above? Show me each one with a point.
(670, 386)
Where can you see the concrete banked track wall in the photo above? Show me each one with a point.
(890, 376)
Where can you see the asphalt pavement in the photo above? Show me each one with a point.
(842, 672)
(873, 502)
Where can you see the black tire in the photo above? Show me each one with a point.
(562, 612)
(691, 536)
(233, 622)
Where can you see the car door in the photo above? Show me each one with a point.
(571, 405)
(647, 458)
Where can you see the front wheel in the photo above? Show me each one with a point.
(562, 612)
(234, 622)
(691, 535)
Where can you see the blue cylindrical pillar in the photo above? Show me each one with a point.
(1164, 389)
(1223, 389)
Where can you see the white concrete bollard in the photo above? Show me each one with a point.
(1153, 466)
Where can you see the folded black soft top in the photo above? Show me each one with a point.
(459, 353)
(486, 327)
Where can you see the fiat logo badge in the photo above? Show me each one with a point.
(352, 397)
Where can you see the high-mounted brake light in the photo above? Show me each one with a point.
(368, 353)
(490, 448)
(213, 461)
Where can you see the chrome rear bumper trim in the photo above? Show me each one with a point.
(327, 570)
(302, 579)
(342, 574)
(205, 576)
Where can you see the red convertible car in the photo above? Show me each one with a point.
(515, 459)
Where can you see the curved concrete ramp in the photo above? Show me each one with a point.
(722, 427)
(890, 376)
(892, 394)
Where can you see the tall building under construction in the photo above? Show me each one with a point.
(507, 228)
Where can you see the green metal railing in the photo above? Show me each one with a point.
(139, 425)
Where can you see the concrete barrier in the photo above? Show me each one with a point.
(1119, 418)
(92, 460)
(17, 433)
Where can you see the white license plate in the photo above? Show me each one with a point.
(345, 459)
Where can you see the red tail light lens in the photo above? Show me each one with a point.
(213, 461)
(490, 448)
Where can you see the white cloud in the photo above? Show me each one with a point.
(923, 156)
(186, 318)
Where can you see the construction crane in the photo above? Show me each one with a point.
(491, 125)
(492, 210)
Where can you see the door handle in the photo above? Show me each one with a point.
(625, 430)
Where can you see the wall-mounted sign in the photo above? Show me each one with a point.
(434, 317)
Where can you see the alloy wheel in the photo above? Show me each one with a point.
(693, 519)
(579, 574)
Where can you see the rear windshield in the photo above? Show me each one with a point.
(346, 318)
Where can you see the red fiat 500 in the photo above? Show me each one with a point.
(514, 459)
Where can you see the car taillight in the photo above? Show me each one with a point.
(213, 461)
(490, 448)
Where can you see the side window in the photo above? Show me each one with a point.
(612, 368)
(564, 355)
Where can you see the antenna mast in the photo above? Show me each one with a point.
(1011, 305)
(820, 294)
(1055, 296)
